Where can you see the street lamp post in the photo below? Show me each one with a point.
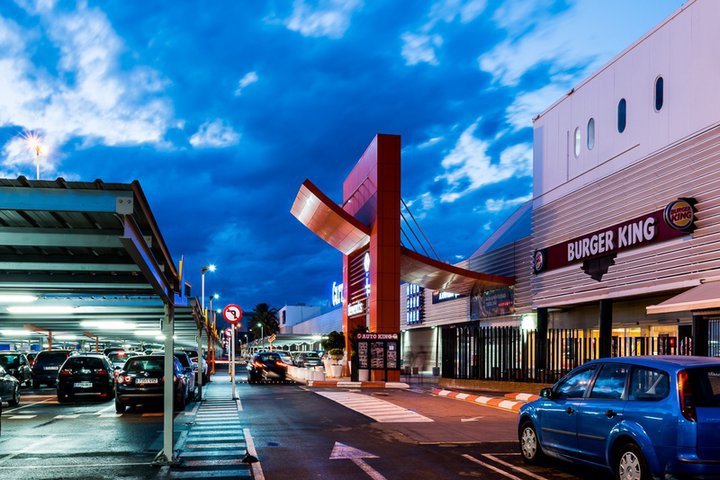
(211, 345)
(262, 333)
(210, 268)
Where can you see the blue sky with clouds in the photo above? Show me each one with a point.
(221, 109)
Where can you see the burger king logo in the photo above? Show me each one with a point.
(538, 261)
(680, 214)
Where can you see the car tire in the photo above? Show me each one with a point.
(530, 448)
(119, 406)
(629, 463)
(15, 400)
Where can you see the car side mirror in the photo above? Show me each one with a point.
(547, 393)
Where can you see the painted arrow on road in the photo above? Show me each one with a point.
(345, 452)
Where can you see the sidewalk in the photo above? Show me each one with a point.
(216, 445)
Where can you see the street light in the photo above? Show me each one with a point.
(210, 268)
(35, 143)
(211, 345)
(262, 333)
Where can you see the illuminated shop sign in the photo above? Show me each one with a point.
(356, 308)
(439, 297)
(358, 285)
(337, 294)
(492, 303)
(675, 220)
(414, 303)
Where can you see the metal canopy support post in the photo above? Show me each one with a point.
(605, 328)
(166, 456)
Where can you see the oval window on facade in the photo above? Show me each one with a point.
(622, 115)
(659, 86)
(578, 141)
(591, 134)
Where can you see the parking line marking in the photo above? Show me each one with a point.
(239, 405)
(21, 417)
(106, 409)
(29, 405)
(72, 415)
(110, 415)
(256, 466)
(510, 465)
(28, 448)
(214, 445)
(213, 453)
(491, 467)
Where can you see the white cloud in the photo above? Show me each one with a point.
(530, 104)
(421, 205)
(90, 97)
(500, 204)
(248, 79)
(420, 48)
(328, 18)
(214, 134)
(468, 166)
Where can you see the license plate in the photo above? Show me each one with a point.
(146, 380)
(52, 368)
(83, 385)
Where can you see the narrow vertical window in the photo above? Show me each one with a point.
(591, 134)
(622, 115)
(578, 141)
(659, 84)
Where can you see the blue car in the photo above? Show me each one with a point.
(640, 417)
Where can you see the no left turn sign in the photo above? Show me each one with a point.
(232, 313)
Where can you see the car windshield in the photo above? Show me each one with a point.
(285, 357)
(83, 362)
(117, 357)
(311, 355)
(135, 365)
(10, 360)
(705, 383)
(192, 354)
(264, 357)
(51, 358)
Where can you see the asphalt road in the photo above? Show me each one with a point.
(303, 433)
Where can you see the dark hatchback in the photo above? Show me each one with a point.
(142, 380)
(266, 366)
(17, 365)
(9, 388)
(85, 375)
(47, 365)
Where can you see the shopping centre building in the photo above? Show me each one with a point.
(618, 253)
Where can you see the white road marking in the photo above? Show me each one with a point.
(111, 415)
(72, 415)
(28, 448)
(75, 465)
(28, 405)
(256, 467)
(106, 409)
(212, 474)
(473, 419)
(239, 405)
(341, 451)
(510, 465)
(379, 410)
(21, 417)
(491, 467)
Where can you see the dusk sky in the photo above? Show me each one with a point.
(222, 108)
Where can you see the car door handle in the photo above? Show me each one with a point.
(611, 413)
(569, 410)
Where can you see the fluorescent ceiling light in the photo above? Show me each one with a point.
(65, 337)
(40, 309)
(148, 333)
(6, 298)
(108, 324)
(16, 332)
(160, 337)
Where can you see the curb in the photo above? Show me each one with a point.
(524, 397)
(347, 384)
(502, 403)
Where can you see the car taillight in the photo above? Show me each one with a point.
(258, 364)
(124, 379)
(101, 371)
(280, 363)
(686, 396)
(66, 371)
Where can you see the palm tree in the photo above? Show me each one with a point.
(265, 315)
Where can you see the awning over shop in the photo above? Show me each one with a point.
(702, 297)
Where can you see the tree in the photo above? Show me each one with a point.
(265, 315)
(334, 340)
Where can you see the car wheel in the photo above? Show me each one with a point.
(119, 406)
(630, 463)
(15, 400)
(529, 444)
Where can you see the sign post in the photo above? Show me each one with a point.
(232, 314)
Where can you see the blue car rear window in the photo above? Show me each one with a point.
(648, 384)
(705, 383)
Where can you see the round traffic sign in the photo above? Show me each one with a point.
(228, 332)
(232, 313)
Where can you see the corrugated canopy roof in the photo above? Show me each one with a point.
(92, 250)
(703, 297)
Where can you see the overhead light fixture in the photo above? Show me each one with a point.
(108, 324)
(66, 337)
(148, 333)
(40, 309)
(18, 332)
(9, 298)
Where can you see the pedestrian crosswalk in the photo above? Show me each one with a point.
(215, 445)
(379, 410)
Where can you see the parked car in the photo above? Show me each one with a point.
(85, 374)
(193, 354)
(142, 381)
(189, 371)
(46, 367)
(637, 416)
(17, 365)
(266, 366)
(286, 357)
(31, 357)
(107, 351)
(9, 388)
(119, 357)
(308, 359)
